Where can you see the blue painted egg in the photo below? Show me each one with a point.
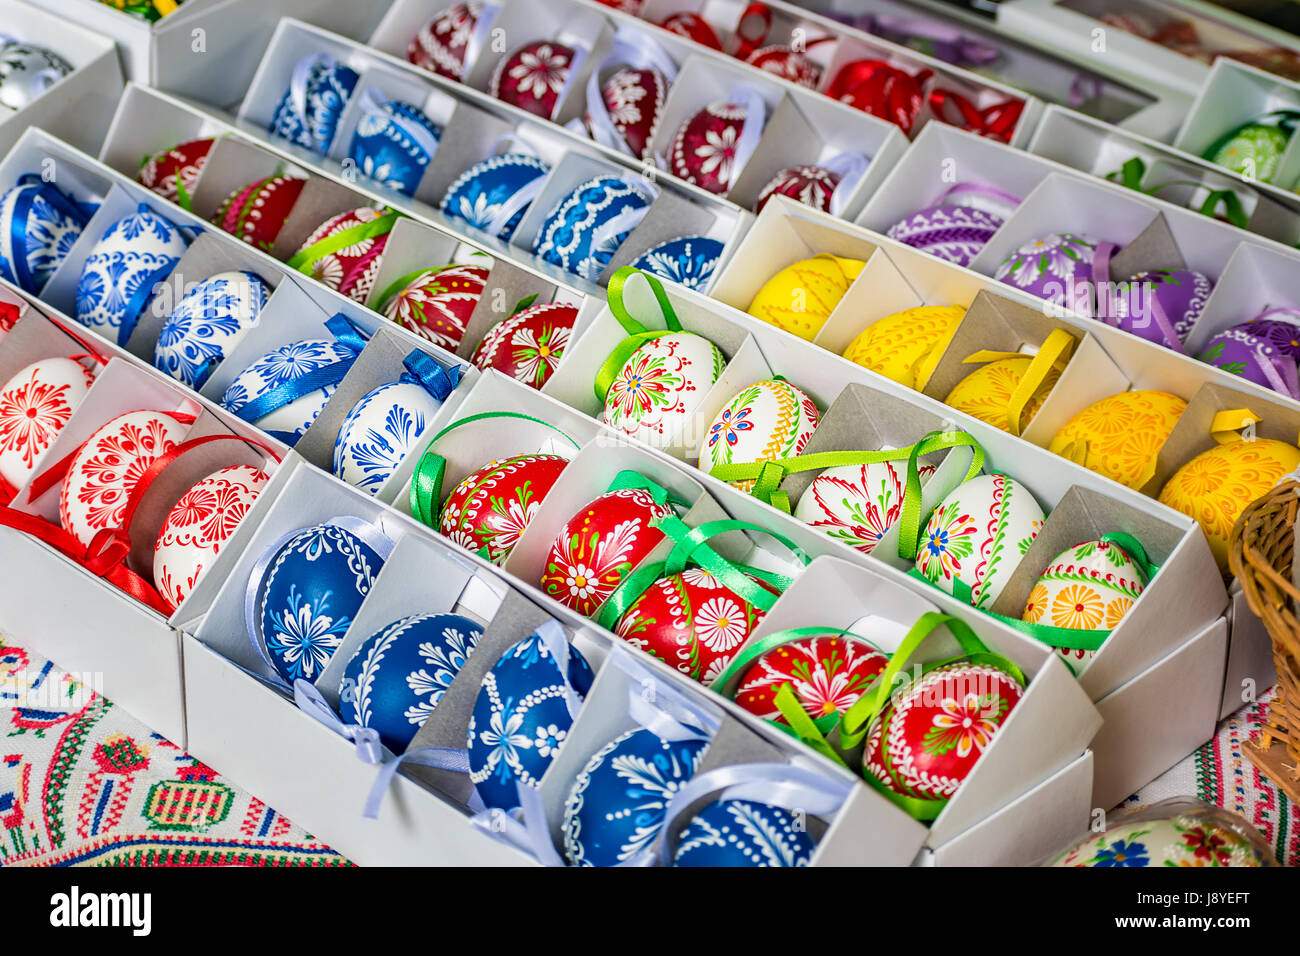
(207, 323)
(494, 195)
(279, 367)
(689, 261)
(743, 833)
(393, 144)
(521, 719)
(308, 596)
(397, 676)
(380, 431)
(38, 227)
(118, 277)
(309, 111)
(616, 807)
(585, 228)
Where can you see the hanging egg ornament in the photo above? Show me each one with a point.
(308, 116)
(827, 673)
(1264, 350)
(801, 297)
(599, 546)
(198, 527)
(691, 261)
(857, 505)
(660, 387)
(528, 345)
(26, 72)
(207, 323)
(393, 144)
(521, 719)
(975, 539)
(585, 228)
(1177, 832)
(986, 392)
(442, 44)
(308, 594)
(735, 833)
(788, 64)
(1178, 295)
(692, 26)
(494, 195)
(634, 100)
(351, 269)
(490, 508)
(952, 232)
(39, 225)
(438, 303)
(1061, 268)
(1253, 150)
(35, 405)
(123, 266)
(278, 367)
(380, 430)
(704, 150)
(257, 212)
(907, 345)
(534, 76)
(1121, 435)
(173, 174)
(811, 186)
(766, 421)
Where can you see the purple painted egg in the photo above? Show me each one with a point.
(1161, 303)
(1060, 268)
(951, 232)
(1262, 350)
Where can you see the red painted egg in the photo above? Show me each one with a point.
(9, 313)
(599, 545)
(441, 44)
(810, 185)
(827, 674)
(693, 27)
(489, 510)
(788, 64)
(692, 622)
(528, 346)
(704, 149)
(533, 76)
(438, 304)
(350, 270)
(257, 213)
(634, 100)
(929, 737)
(179, 165)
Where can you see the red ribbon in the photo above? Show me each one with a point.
(752, 29)
(997, 121)
(99, 357)
(8, 315)
(880, 89)
(7, 491)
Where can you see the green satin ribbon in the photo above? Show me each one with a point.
(1133, 171)
(183, 195)
(637, 332)
(305, 259)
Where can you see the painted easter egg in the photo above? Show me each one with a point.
(1121, 435)
(1263, 350)
(827, 673)
(928, 738)
(704, 150)
(1060, 268)
(175, 172)
(612, 815)
(1253, 150)
(788, 64)
(393, 143)
(743, 833)
(634, 100)
(534, 76)
(442, 45)
(801, 297)
(692, 26)
(690, 261)
(1216, 486)
(1187, 835)
(660, 387)
(352, 268)
(199, 525)
(207, 323)
(599, 546)
(907, 345)
(812, 186)
(528, 345)
(106, 469)
(977, 536)
(950, 231)
(150, 11)
(584, 229)
(39, 224)
(437, 304)
(521, 719)
(494, 195)
(380, 431)
(691, 621)
(308, 595)
(986, 392)
(308, 113)
(857, 505)
(35, 405)
(397, 676)
(257, 212)
(490, 508)
(1176, 296)
(765, 421)
(27, 71)
(278, 367)
(118, 277)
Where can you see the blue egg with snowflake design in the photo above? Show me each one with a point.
(277, 368)
(521, 719)
(616, 807)
(495, 194)
(309, 593)
(379, 432)
(207, 323)
(397, 676)
(309, 111)
(743, 833)
(585, 228)
(393, 144)
(689, 261)
(123, 267)
(38, 226)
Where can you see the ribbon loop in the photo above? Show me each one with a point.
(365, 740)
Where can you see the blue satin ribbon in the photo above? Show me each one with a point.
(423, 370)
(311, 702)
(439, 758)
(135, 305)
(22, 211)
(525, 827)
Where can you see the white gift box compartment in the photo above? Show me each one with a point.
(207, 48)
(77, 106)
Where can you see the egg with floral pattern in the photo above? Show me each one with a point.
(977, 536)
(308, 594)
(827, 674)
(1253, 150)
(907, 345)
(733, 833)
(1263, 350)
(1160, 305)
(174, 173)
(811, 186)
(393, 144)
(528, 345)
(35, 405)
(766, 421)
(494, 195)
(489, 509)
(380, 430)
(986, 392)
(437, 304)
(1061, 268)
(787, 63)
(522, 717)
(257, 212)
(350, 269)
(857, 505)
(659, 389)
(397, 676)
(123, 267)
(209, 321)
(308, 113)
(534, 76)
(704, 151)
(585, 228)
(690, 261)
(442, 45)
(1188, 833)
(599, 546)
(39, 225)
(951, 231)
(634, 101)
(198, 527)
(275, 370)
(1121, 435)
(27, 71)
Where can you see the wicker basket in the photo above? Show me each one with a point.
(1260, 555)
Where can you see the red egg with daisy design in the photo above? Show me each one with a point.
(704, 151)
(351, 269)
(489, 510)
(827, 673)
(534, 76)
(437, 304)
(528, 345)
(634, 100)
(787, 63)
(175, 172)
(442, 44)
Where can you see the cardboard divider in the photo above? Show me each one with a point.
(1253, 280)
(879, 291)
(232, 164)
(468, 137)
(320, 199)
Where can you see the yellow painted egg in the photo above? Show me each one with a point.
(801, 297)
(986, 392)
(907, 345)
(1121, 435)
(1217, 485)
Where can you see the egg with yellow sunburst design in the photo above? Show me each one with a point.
(986, 392)
(1121, 435)
(801, 297)
(907, 345)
